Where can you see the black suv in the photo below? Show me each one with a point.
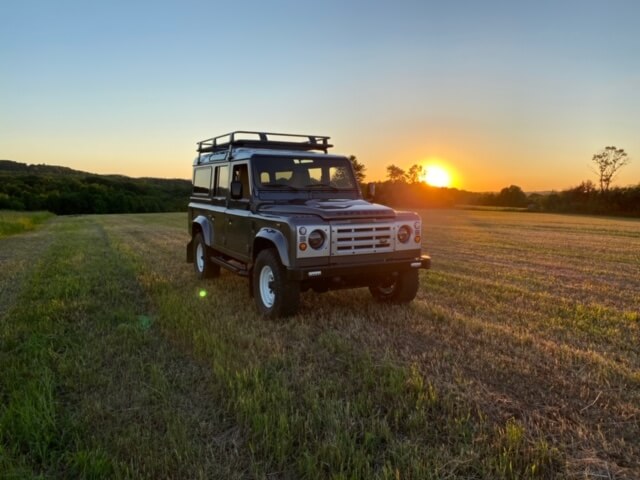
(281, 210)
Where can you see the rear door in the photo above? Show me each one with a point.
(219, 203)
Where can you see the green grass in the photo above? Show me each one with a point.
(12, 223)
(518, 359)
(89, 390)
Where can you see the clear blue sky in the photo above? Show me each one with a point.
(500, 92)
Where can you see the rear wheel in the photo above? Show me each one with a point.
(274, 294)
(400, 289)
(204, 267)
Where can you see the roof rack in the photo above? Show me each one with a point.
(249, 139)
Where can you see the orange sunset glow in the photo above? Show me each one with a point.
(436, 176)
(497, 102)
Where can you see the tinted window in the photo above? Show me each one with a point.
(202, 181)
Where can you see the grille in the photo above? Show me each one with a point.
(361, 238)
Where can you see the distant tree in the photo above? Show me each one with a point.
(396, 174)
(586, 188)
(414, 174)
(358, 168)
(512, 196)
(608, 162)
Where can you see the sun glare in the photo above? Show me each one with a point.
(436, 176)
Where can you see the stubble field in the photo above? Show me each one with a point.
(520, 358)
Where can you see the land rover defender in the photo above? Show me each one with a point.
(284, 212)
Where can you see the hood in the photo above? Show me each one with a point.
(330, 209)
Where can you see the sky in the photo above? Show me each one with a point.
(498, 92)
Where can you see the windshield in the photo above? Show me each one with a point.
(290, 173)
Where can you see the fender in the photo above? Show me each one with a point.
(277, 238)
(207, 229)
(207, 232)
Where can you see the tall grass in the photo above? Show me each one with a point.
(12, 223)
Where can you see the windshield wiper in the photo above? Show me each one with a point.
(280, 185)
(323, 185)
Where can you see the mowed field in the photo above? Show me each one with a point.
(520, 358)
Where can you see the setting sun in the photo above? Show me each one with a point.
(436, 176)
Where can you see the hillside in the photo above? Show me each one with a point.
(65, 191)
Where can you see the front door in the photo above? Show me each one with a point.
(239, 222)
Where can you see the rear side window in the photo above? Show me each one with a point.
(202, 181)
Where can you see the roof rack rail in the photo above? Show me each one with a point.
(250, 139)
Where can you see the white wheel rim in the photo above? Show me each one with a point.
(388, 290)
(266, 291)
(200, 257)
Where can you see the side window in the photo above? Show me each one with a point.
(202, 181)
(222, 176)
(241, 174)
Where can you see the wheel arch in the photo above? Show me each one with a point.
(203, 225)
(270, 238)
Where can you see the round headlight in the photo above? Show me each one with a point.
(404, 232)
(316, 239)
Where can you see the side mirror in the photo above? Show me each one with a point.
(371, 190)
(236, 190)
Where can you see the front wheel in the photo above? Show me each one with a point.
(204, 267)
(400, 289)
(274, 294)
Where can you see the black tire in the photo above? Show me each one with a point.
(275, 296)
(400, 289)
(204, 267)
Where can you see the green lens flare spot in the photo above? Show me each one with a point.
(144, 322)
(202, 293)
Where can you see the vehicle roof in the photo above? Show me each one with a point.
(246, 153)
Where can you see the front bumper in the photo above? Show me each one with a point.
(358, 270)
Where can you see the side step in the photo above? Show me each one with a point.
(236, 267)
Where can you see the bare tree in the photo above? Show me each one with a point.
(414, 174)
(608, 162)
(396, 174)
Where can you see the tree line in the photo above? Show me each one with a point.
(405, 188)
(64, 191)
